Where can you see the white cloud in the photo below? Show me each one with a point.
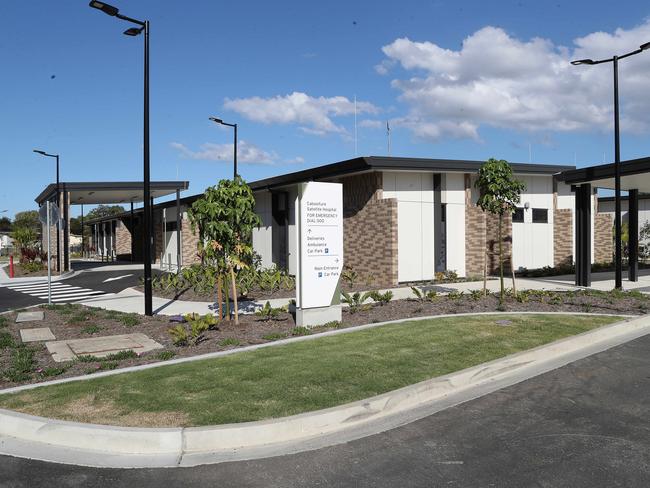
(312, 114)
(246, 153)
(500, 81)
(296, 160)
(372, 123)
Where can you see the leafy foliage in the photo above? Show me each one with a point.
(355, 300)
(424, 296)
(101, 211)
(27, 220)
(381, 298)
(499, 194)
(267, 312)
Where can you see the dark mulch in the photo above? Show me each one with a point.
(188, 294)
(75, 321)
(20, 272)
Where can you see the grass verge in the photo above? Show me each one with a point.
(293, 378)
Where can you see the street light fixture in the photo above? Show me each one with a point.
(220, 121)
(618, 281)
(135, 31)
(58, 236)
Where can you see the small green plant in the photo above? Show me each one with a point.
(355, 300)
(91, 329)
(87, 358)
(556, 299)
(300, 331)
(121, 355)
(130, 319)
(424, 296)
(229, 341)
(179, 335)
(334, 324)
(450, 275)
(165, 355)
(349, 276)
(197, 330)
(381, 298)
(523, 296)
(49, 372)
(586, 307)
(274, 336)
(3, 321)
(6, 340)
(476, 294)
(267, 312)
(455, 295)
(22, 364)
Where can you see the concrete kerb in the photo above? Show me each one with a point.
(75, 443)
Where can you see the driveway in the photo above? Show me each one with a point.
(583, 425)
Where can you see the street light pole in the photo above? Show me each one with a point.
(58, 203)
(135, 31)
(234, 126)
(618, 248)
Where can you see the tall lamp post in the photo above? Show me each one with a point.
(617, 158)
(58, 234)
(219, 121)
(143, 27)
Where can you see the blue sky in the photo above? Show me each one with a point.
(465, 80)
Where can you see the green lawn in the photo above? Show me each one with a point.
(285, 380)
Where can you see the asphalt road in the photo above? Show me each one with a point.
(107, 281)
(583, 425)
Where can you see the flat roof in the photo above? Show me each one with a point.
(103, 192)
(635, 175)
(387, 163)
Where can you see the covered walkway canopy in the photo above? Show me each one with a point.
(635, 179)
(102, 192)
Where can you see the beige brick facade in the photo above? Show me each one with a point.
(369, 229)
(122, 240)
(603, 238)
(481, 237)
(189, 243)
(562, 236)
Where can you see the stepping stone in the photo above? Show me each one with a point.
(68, 350)
(29, 317)
(35, 335)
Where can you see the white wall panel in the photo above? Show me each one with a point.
(456, 238)
(262, 242)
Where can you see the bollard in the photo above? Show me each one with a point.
(11, 266)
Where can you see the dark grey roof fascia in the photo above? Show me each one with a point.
(367, 163)
(50, 190)
(604, 171)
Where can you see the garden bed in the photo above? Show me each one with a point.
(298, 377)
(21, 272)
(21, 364)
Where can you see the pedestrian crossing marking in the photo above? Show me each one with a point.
(61, 292)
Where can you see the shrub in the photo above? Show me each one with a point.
(349, 276)
(179, 335)
(274, 336)
(334, 324)
(197, 330)
(455, 295)
(91, 329)
(354, 300)
(87, 358)
(476, 294)
(300, 331)
(130, 319)
(165, 355)
(49, 372)
(381, 298)
(229, 341)
(22, 363)
(3, 321)
(267, 312)
(32, 266)
(121, 355)
(6, 340)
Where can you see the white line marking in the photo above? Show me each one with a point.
(117, 278)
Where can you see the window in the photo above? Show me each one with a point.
(518, 215)
(540, 215)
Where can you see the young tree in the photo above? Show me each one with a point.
(104, 211)
(499, 194)
(225, 217)
(27, 219)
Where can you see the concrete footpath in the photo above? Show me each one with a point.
(93, 445)
(132, 301)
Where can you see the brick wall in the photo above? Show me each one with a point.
(603, 238)
(482, 234)
(189, 243)
(369, 229)
(562, 236)
(122, 240)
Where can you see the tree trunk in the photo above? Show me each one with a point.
(234, 294)
(219, 296)
(501, 258)
(226, 298)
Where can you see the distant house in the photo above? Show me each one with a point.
(6, 243)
